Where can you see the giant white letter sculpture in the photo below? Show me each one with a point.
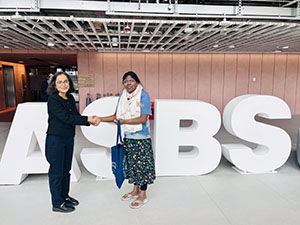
(273, 144)
(28, 131)
(206, 152)
(98, 160)
(24, 151)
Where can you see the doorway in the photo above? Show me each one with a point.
(9, 86)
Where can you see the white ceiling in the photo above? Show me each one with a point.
(166, 26)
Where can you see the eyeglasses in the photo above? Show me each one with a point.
(127, 81)
(62, 82)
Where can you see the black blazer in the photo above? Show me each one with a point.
(63, 116)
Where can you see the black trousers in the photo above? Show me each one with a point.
(59, 154)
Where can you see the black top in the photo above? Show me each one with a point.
(63, 116)
(44, 87)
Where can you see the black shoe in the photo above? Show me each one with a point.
(71, 201)
(64, 208)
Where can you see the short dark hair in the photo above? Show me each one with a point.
(52, 87)
(133, 75)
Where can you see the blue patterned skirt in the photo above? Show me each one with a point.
(140, 161)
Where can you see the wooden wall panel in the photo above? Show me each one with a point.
(204, 80)
(267, 75)
(110, 73)
(178, 75)
(19, 70)
(83, 68)
(213, 78)
(297, 104)
(255, 73)
(279, 75)
(124, 65)
(242, 74)
(165, 76)
(229, 77)
(151, 70)
(191, 75)
(18, 94)
(291, 81)
(138, 66)
(96, 68)
(217, 81)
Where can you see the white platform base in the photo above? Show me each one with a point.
(103, 178)
(246, 172)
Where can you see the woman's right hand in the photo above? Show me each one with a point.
(94, 120)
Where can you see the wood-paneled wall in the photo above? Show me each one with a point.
(213, 78)
(19, 70)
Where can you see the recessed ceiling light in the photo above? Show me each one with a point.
(188, 30)
(215, 46)
(285, 47)
(231, 46)
(20, 61)
(50, 44)
(114, 41)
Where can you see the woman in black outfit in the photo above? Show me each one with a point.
(63, 116)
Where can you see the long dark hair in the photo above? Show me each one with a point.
(52, 87)
(133, 75)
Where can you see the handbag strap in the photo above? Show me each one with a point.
(119, 136)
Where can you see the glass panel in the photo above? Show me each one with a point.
(9, 86)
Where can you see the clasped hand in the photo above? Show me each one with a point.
(94, 120)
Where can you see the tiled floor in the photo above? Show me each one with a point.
(223, 197)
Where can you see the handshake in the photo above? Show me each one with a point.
(94, 120)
